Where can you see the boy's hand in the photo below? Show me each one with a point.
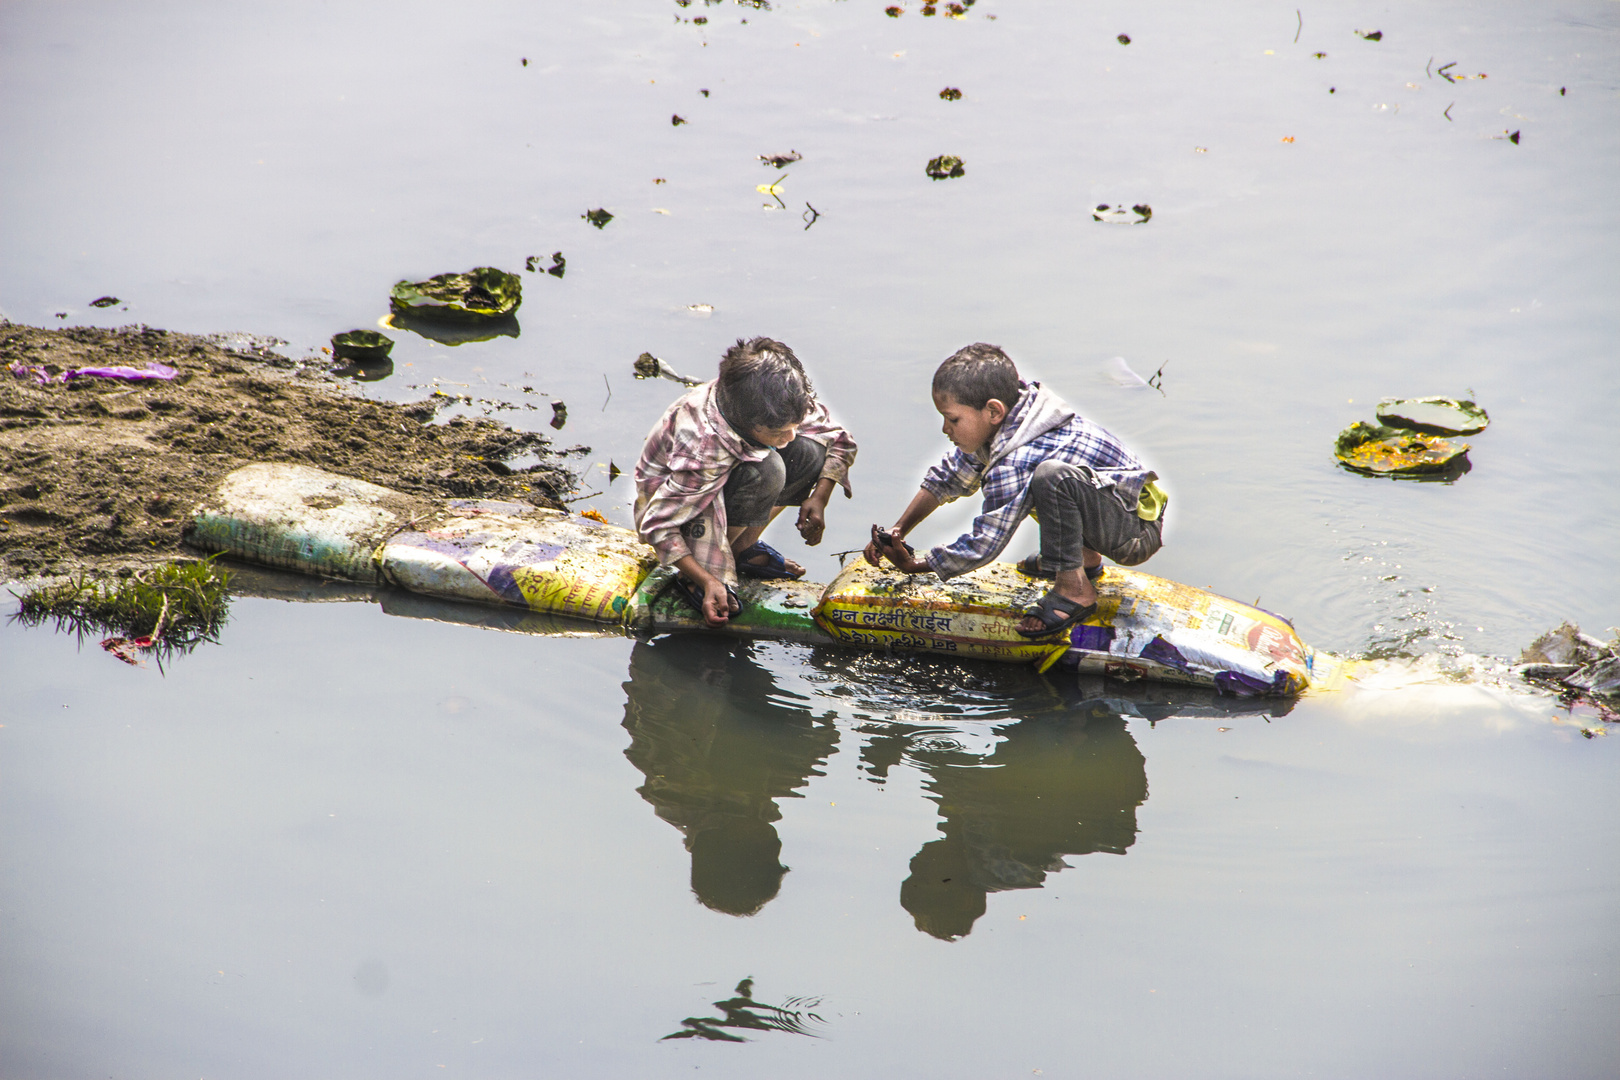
(716, 602)
(813, 514)
(893, 547)
(812, 521)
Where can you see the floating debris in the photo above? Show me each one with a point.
(894, 12)
(649, 366)
(174, 607)
(1376, 35)
(1434, 415)
(676, 120)
(597, 217)
(781, 161)
(705, 93)
(1510, 136)
(951, 93)
(1396, 452)
(1139, 214)
(810, 216)
(1574, 661)
(1123, 39)
(702, 311)
(105, 301)
(559, 265)
(928, 9)
(1320, 55)
(945, 166)
(772, 189)
(525, 61)
(559, 414)
(365, 346)
(614, 472)
(481, 293)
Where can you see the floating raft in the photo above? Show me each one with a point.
(558, 564)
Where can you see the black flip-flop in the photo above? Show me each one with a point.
(1057, 613)
(773, 568)
(1030, 566)
(694, 596)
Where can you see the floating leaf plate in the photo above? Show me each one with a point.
(1387, 451)
(1440, 415)
(481, 293)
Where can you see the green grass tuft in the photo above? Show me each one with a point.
(179, 605)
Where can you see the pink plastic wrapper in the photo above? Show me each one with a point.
(127, 374)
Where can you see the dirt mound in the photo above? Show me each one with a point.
(100, 473)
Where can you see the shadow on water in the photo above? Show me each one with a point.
(720, 743)
(456, 333)
(742, 1012)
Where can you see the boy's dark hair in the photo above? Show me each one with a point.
(974, 375)
(762, 385)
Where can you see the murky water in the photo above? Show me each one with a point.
(348, 843)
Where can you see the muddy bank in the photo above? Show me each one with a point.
(100, 474)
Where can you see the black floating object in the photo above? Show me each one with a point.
(1561, 90)
(1320, 55)
(525, 61)
(366, 346)
(894, 12)
(613, 471)
(677, 120)
(1376, 35)
(705, 93)
(559, 414)
(781, 161)
(104, 301)
(951, 93)
(1124, 39)
(531, 263)
(928, 9)
(945, 166)
(1514, 138)
(597, 217)
(559, 265)
(1144, 209)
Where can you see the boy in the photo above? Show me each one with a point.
(724, 460)
(1031, 454)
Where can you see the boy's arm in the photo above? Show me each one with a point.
(922, 504)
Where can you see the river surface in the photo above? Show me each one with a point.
(377, 836)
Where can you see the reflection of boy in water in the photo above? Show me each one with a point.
(718, 749)
(1056, 786)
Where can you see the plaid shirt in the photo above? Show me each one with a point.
(1039, 428)
(688, 456)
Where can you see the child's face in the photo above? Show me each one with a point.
(969, 428)
(776, 436)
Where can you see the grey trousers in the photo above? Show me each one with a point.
(785, 477)
(1077, 510)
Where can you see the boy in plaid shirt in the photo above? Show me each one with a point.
(724, 460)
(1030, 454)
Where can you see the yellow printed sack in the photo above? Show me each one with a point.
(976, 614)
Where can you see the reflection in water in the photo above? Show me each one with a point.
(742, 1011)
(719, 744)
(1057, 784)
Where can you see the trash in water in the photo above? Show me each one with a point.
(453, 333)
(649, 366)
(945, 166)
(1118, 215)
(1575, 660)
(595, 515)
(559, 414)
(597, 217)
(781, 161)
(105, 301)
(1320, 55)
(773, 190)
(614, 472)
(1123, 39)
(705, 93)
(951, 93)
(1376, 35)
(362, 345)
(894, 12)
(1510, 136)
(1387, 451)
(559, 265)
(928, 9)
(479, 294)
(702, 311)
(1435, 415)
(677, 120)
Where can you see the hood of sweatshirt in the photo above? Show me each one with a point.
(1037, 412)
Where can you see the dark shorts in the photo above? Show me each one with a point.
(784, 477)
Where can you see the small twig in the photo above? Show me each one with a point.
(815, 215)
(1301, 19)
(578, 498)
(163, 617)
(1447, 113)
(1427, 66)
(610, 391)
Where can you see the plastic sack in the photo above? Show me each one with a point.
(543, 560)
(975, 614)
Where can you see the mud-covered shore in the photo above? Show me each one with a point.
(99, 474)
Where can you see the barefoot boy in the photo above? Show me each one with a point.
(724, 460)
(1031, 454)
